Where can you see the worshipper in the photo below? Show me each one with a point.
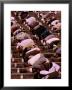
(25, 43)
(20, 35)
(29, 53)
(37, 59)
(36, 62)
(41, 31)
(23, 46)
(42, 67)
(55, 25)
(51, 71)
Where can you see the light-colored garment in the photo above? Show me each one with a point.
(31, 20)
(55, 67)
(37, 60)
(51, 40)
(33, 50)
(26, 43)
(22, 35)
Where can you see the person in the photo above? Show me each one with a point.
(55, 25)
(37, 59)
(41, 31)
(51, 70)
(25, 43)
(20, 35)
(43, 68)
(36, 62)
(47, 70)
(29, 53)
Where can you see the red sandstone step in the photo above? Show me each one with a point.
(22, 76)
(16, 60)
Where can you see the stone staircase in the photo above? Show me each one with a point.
(18, 67)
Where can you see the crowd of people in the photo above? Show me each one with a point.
(32, 30)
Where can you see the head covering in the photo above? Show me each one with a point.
(31, 20)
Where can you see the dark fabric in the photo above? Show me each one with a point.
(51, 20)
(23, 15)
(24, 55)
(41, 32)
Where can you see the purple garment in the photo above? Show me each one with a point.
(58, 51)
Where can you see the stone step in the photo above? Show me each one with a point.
(17, 60)
(22, 76)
